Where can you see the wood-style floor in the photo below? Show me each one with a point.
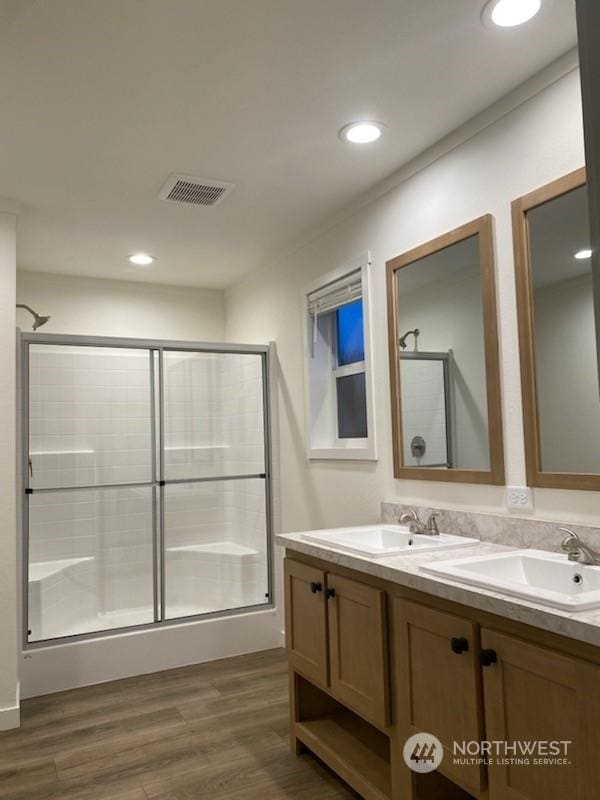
(217, 731)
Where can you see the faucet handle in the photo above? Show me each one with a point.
(432, 525)
(408, 516)
(571, 541)
(571, 535)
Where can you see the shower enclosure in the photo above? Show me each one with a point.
(147, 483)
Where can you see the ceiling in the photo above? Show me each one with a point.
(102, 99)
(436, 272)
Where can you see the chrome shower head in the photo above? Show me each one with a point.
(38, 319)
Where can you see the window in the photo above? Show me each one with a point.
(350, 334)
(339, 393)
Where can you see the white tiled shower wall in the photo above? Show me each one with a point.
(424, 410)
(90, 423)
(89, 416)
(214, 426)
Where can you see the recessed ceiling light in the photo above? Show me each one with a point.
(510, 13)
(363, 132)
(581, 255)
(141, 259)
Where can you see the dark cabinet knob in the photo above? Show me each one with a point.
(330, 593)
(459, 645)
(316, 587)
(487, 658)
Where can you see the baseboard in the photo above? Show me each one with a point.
(10, 717)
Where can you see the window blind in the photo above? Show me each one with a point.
(334, 295)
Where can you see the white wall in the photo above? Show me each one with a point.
(533, 144)
(9, 693)
(91, 307)
(567, 380)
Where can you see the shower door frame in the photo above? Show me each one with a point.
(157, 482)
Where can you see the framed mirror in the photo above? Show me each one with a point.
(559, 367)
(444, 366)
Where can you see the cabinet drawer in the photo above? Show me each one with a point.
(306, 621)
(439, 682)
(358, 648)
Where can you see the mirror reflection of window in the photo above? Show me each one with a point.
(564, 334)
(441, 296)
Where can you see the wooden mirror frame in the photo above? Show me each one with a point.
(536, 476)
(481, 227)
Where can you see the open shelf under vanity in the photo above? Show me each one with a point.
(357, 752)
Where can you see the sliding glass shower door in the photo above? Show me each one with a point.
(90, 494)
(146, 483)
(215, 479)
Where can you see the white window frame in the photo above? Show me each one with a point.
(345, 449)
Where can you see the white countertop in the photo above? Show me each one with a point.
(583, 626)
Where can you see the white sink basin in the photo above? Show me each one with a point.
(546, 578)
(383, 541)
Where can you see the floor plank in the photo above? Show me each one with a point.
(216, 730)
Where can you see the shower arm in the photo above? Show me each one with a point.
(402, 339)
(38, 319)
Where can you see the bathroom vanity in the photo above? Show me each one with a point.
(379, 650)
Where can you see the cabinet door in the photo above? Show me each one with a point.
(358, 648)
(536, 694)
(438, 683)
(305, 621)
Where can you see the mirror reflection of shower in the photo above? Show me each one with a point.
(402, 340)
(426, 380)
(38, 319)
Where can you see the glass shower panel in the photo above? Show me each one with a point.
(90, 416)
(213, 414)
(146, 491)
(215, 546)
(91, 561)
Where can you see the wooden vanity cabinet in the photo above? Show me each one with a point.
(336, 632)
(461, 674)
(534, 693)
(358, 648)
(306, 621)
(439, 683)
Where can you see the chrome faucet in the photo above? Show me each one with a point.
(415, 525)
(577, 550)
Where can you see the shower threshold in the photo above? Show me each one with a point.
(115, 620)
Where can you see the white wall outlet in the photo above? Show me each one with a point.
(519, 498)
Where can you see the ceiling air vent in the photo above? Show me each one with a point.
(195, 191)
